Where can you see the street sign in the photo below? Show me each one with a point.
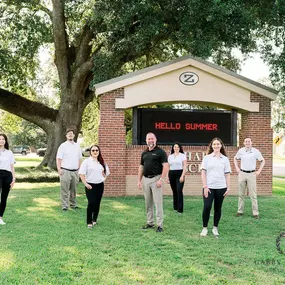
(277, 140)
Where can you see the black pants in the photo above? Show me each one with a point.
(5, 181)
(177, 188)
(94, 197)
(216, 195)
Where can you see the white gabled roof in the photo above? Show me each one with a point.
(165, 67)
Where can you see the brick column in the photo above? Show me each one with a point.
(112, 141)
(257, 127)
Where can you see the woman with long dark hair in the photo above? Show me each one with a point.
(7, 173)
(177, 170)
(93, 172)
(215, 176)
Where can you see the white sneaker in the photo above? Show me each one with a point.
(204, 232)
(2, 222)
(215, 231)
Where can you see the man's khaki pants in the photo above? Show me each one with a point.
(68, 185)
(153, 196)
(247, 180)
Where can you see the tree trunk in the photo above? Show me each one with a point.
(53, 122)
(69, 117)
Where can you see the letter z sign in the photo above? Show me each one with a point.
(188, 78)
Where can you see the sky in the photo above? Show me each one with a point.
(255, 69)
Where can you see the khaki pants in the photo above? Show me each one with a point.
(68, 185)
(247, 180)
(153, 196)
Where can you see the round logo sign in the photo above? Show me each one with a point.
(188, 78)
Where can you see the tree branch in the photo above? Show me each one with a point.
(83, 75)
(78, 82)
(30, 6)
(29, 110)
(45, 9)
(89, 96)
(84, 47)
(61, 44)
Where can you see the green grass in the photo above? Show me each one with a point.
(25, 161)
(279, 186)
(27, 171)
(41, 244)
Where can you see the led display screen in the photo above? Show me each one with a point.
(189, 127)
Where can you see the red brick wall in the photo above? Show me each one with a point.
(257, 127)
(193, 184)
(112, 141)
(124, 160)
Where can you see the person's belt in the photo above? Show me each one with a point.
(69, 169)
(247, 171)
(151, 176)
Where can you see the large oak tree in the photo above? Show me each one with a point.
(94, 40)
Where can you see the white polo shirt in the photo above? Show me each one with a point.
(248, 158)
(216, 168)
(176, 162)
(93, 170)
(70, 154)
(6, 160)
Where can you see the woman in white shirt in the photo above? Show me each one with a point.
(177, 170)
(93, 172)
(7, 173)
(215, 176)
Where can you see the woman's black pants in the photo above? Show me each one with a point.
(216, 195)
(94, 197)
(5, 181)
(177, 189)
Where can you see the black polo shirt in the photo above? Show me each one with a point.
(152, 161)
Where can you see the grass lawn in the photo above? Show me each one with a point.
(26, 170)
(26, 161)
(41, 244)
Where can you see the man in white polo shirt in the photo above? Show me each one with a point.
(68, 161)
(247, 174)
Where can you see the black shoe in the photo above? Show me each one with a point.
(147, 226)
(64, 209)
(76, 207)
(159, 229)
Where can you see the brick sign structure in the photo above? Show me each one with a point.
(162, 83)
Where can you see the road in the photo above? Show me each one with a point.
(278, 169)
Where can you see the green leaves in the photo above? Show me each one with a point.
(162, 30)
(24, 29)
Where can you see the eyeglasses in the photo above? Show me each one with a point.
(94, 150)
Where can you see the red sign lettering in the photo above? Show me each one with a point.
(167, 126)
(201, 127)
(188, 126)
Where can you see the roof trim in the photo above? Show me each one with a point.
(144, 74)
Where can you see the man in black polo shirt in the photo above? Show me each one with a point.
(153, 170)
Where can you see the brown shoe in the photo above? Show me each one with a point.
(239, 214)
(256, 217)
